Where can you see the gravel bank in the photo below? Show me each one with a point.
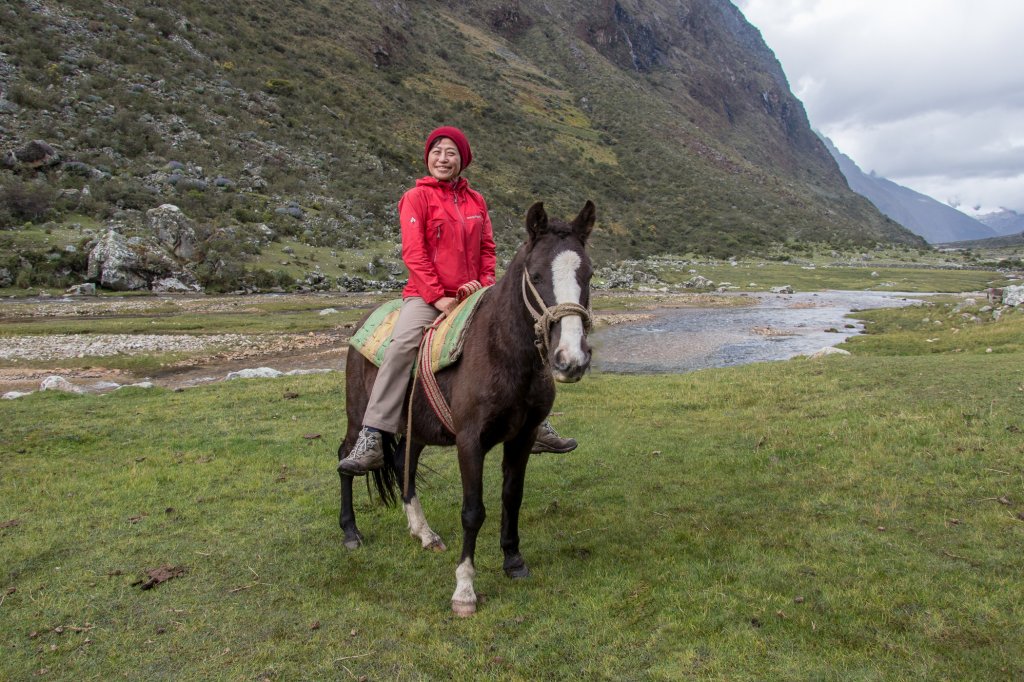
(104, 345)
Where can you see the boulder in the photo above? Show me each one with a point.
(173, 229)
(786, 289)
(171, 285)
(293, 211)
(115, 265)
(59, 383)
(698, 282)
(257, 373)
(86, 289)
(12, 395)
(77, 168)
(1013, 295)
(123, 264)
(34, 154)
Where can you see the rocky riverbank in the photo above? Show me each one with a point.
(32, 359)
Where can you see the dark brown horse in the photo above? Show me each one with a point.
(529, 329)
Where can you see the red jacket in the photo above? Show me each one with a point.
(446, 238)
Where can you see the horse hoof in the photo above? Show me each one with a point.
(515, 567)
(517, 572)
(354, 542)
(463, 609)
(437, 545)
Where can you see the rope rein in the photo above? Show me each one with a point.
(546, 316)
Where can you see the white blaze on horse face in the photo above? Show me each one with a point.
(567, 290)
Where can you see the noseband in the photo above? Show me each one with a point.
(544, 316)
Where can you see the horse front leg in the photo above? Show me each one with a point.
(471, 460)
(418, 526)
(347, 518)
(513, 466)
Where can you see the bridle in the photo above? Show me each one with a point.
(544, 316)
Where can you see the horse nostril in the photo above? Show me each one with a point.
(560, 362)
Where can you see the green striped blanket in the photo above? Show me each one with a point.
(374, 336)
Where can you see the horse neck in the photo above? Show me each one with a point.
(511, 322)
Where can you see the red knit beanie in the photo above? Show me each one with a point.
(456, 136)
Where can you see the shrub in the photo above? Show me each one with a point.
(161, 20)
(22, 200)
(33, 98)
(279, 86)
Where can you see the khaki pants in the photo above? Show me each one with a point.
(384, 411)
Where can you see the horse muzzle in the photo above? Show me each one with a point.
(568, 365)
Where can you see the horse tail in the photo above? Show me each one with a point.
(386, 479)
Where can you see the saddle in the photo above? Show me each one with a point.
(374, 336)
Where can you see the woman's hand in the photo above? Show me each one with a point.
(445, 303)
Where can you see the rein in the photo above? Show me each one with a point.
(545, 316)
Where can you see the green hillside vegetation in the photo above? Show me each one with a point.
(676, 120)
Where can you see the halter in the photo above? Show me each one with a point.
(546, 316)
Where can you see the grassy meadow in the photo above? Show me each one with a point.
(854, 517)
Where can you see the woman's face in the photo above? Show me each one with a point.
(443, 161)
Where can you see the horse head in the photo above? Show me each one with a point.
(556, 289)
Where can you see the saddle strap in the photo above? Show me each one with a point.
(430, 386)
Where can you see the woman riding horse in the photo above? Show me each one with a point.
(447, 242)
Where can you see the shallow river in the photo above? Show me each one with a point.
(773, 327)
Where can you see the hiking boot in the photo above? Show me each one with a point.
(366, 455)
(548, 440)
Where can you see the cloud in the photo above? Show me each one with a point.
(913, 89)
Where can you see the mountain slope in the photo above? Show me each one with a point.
(919, 213)
(672, 115)
(1005, 222)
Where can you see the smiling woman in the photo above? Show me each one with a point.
(448, 246)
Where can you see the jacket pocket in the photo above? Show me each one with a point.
(435, 233)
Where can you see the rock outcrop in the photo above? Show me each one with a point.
(122, 264)
(32, 155)
(173, 229)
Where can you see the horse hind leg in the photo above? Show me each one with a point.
(418, 526)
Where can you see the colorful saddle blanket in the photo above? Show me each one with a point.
(374, 336)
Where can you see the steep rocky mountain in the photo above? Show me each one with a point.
(305, 120)
(919, 213)
(1004, 222)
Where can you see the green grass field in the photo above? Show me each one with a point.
(762, 276)
(852, 518)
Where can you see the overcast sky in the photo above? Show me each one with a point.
(928, 93)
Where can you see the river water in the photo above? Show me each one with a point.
(772, 327)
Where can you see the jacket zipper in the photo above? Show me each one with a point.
(462, 221)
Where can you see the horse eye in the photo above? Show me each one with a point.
(536, 278)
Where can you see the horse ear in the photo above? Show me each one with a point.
(584, 222)
(536, 220)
